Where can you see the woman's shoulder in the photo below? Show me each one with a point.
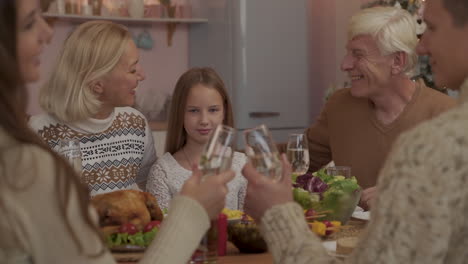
(29, 163)
(446, 134)
(37, 122)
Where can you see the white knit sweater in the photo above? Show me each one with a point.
(167, 177)
(117, 152)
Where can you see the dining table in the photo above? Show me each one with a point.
(233, 256)
(354, 227)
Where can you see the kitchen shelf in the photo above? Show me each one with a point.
(171, 23)
(80, 18)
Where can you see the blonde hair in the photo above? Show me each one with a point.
(89, 53)
(394, 30)
(176, 134)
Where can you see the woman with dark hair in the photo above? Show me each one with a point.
(46, 217)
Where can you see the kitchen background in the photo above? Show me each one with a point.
(315, 30)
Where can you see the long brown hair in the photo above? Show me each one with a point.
(13, 101)
(176, 135)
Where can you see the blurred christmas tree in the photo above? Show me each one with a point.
(414, 7)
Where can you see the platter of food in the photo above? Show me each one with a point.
(129, 219)
(127, 248)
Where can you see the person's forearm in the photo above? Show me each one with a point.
(289, 238)
(180, 233)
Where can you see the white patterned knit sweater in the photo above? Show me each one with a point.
(167, 177)
(117, 152)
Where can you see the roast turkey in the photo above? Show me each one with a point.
(126, 206)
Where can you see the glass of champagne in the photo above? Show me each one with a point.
(298, 153)
(216, 158)
(262, 152)
(70, 149)
(217, 154)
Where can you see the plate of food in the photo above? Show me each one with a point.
(127, 248)
(129, 220)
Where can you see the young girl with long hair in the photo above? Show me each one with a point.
(200, 103)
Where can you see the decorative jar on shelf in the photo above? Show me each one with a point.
(136, 8)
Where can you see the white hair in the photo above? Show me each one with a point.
(393, 29)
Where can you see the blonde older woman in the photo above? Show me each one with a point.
(89, 98)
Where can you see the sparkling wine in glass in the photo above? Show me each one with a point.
(262, 152)
(217, 154)
(298, 153)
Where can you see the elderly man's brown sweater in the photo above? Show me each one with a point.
(348, 132)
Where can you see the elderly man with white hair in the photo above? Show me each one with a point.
(358, 126)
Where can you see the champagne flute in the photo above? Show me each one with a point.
(70, 149)
(298, 153)
(217, 154)
(262, 152)
(216, 158)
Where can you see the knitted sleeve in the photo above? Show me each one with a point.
(180, 233)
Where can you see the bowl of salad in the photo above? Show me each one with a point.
(335, 195)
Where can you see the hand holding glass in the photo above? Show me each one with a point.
(216, 158)
(217, 154)
(262, 152)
